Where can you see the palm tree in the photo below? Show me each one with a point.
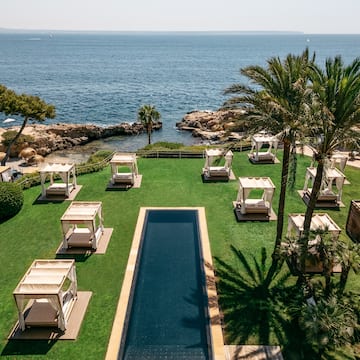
(336, 111)
(329, 326)
(277, 103)
(147, 115)
(31, 108)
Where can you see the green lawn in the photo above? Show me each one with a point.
(35, 233)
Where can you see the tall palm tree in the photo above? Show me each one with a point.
(147, 115)
(336, 112)
(275, 101)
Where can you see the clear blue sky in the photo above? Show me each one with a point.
(309, 16)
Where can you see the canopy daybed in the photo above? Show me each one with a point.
(313, 262)
(67, 175)
(254, 199)
(123, 169)
(46, 294)
(339, 160)
(319, 221)
(331, 186)
(256, 156)
(221, 171)
(82, 224)
(5, 173)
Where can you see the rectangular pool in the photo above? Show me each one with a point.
(166, 297)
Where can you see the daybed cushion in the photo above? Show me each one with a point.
(58, 189)
(256, 206)
(41, 313)
(80, 237)
(218, 171)
(123, 178)
(324, 196)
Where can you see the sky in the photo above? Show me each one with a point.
(308, 16)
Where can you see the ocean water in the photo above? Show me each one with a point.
(104, 78)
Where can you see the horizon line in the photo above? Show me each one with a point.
(249, 32)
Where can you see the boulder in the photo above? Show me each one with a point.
(212, 125)
(27, 153)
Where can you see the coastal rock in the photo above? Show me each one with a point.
(221, 125)
(48, 138)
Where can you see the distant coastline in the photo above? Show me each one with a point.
(152, 32)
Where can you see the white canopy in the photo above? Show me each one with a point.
(319, 221)
(47, 284)
(263, 201)
(331, 177)
(67, 175)
(257, 141)
(5, 173)
(212, 155)
(123, 160)
(340, 160)
(82, 224)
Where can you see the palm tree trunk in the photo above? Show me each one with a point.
(343, 278)
(12, 142)
(309, 213)
(281, 212)
(149, 130)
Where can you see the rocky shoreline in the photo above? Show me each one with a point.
(45, 139)
(213, 126)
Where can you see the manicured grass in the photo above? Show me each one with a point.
(35, 233)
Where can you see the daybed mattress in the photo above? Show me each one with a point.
(41, 313)
(218, 171)
(59, 189)
(123, 178)
(255, 206)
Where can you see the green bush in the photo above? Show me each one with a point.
(9, 135)
(99, 156)
(161, 145)
(11, 200)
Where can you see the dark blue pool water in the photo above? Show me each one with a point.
(167, 318)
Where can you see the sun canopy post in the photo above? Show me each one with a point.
(262, 203)
(82, 224)
(218, 164)
(257, 142)
(67, 175)
(120, 162)
(5, 173)
(331, 185)
(46, 294)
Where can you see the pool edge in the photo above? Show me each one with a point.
(217, 340)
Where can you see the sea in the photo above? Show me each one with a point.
(104, 78)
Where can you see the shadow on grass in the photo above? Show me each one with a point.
(27, 347)
(77, 257)
(253, 312)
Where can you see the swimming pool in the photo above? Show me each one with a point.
(163, 311)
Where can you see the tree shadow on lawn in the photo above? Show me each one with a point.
(254, 313)
(27, 347)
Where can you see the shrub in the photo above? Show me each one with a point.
(164, 145)
(11, 200)
(99, 156)
(9, 135)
